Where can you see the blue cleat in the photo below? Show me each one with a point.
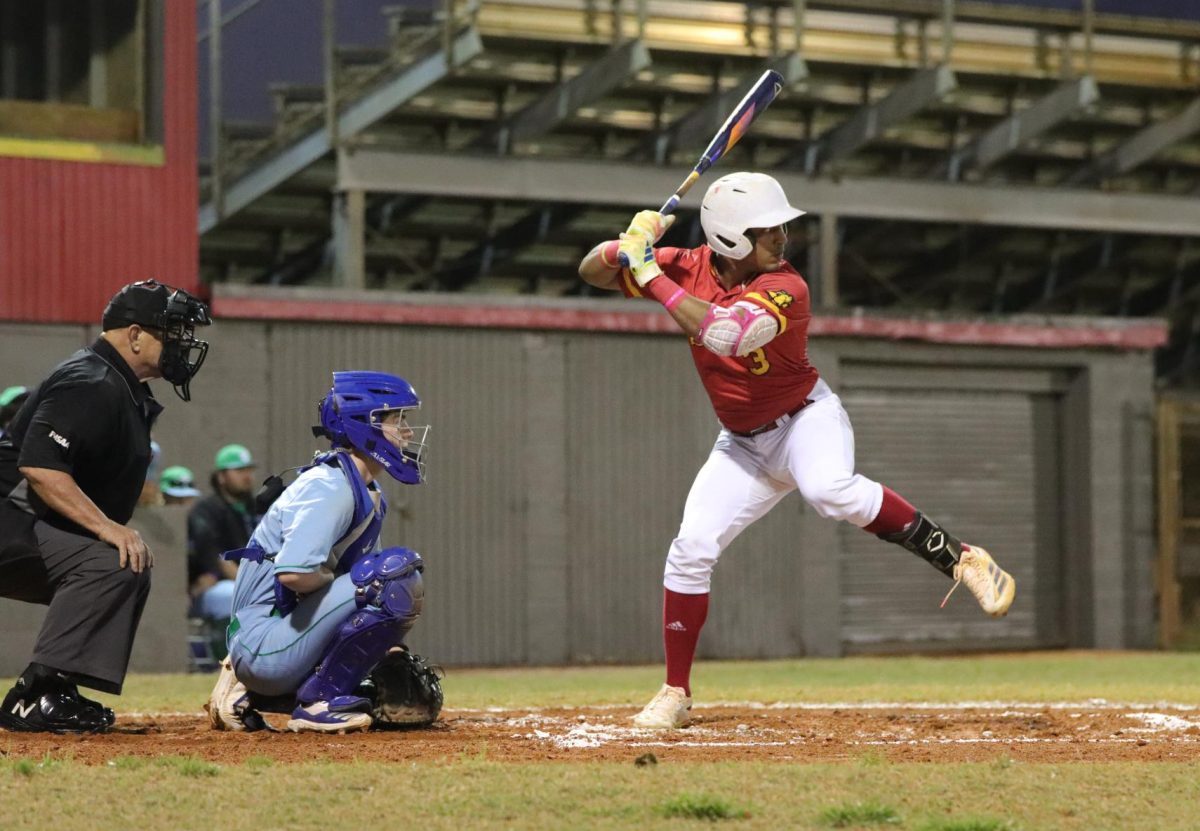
(340, 714)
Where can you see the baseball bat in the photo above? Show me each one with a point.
(754, 102)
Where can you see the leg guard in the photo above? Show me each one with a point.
(930, 541)
(390, 597)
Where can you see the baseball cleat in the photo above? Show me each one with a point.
(51, 712)
(106, 713)
(992, 586)
(669, 709)
(340, 714)
(229, 704)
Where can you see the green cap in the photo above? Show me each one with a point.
(233, 457)
(10, 393)
(178, 481)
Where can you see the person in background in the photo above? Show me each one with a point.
(11, 400)
(178, 486)
(151, 496)
(220, 522)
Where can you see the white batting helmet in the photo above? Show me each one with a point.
(739, 201)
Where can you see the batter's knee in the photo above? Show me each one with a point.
(841, 496)
(690, 564)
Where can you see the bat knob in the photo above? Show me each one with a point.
(623, 260)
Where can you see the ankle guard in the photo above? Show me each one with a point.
(389, 599)
(930, 541)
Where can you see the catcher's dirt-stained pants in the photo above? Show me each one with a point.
(272, 655)
(745, 477)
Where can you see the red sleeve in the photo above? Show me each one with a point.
(783, 294)
(667, 259)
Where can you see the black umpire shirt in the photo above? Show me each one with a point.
(90, 418)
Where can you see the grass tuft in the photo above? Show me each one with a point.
(969, 824)
(860, 813)
(24, 767)
(702, 806)
(190, 766)
(258, 762)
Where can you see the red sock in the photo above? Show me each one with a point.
(894, 514)
(683, 618)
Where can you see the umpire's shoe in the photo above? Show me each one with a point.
(31, 710)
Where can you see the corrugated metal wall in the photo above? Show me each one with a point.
(966, 457)
(71, 233)
(560, 464)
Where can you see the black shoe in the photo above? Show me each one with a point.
(106, 713)
(50, 712)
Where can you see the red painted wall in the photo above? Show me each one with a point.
(72, 233)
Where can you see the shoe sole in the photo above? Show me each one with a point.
(301, 726)
(658, 725)
(17, 725)
(220, 692)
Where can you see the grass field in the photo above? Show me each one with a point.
(107, 782)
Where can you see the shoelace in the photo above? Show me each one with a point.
(945, 599)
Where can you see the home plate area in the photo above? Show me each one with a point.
(1093, 730)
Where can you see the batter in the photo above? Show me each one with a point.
(746, 312)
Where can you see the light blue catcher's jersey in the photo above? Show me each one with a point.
(301, 530)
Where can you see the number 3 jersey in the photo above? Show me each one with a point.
(748, 392)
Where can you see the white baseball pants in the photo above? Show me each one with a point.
(745, 477)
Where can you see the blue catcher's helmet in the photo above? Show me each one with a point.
(353, 414)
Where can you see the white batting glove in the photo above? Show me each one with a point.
(651, 225)
(640, 257)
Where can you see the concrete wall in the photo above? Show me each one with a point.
(560, 462)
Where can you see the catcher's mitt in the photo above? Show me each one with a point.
(404, 691)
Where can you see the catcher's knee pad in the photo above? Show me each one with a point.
(390, 595)
(930, 541)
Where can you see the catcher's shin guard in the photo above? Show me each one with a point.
(390, 595)
(930, 541)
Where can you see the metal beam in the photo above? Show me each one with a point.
(639, 185)
(870, 121)
(349, 239)
(354, 117)
(1142, 146)
(1006, 137)
(597, 79)
(699, 125)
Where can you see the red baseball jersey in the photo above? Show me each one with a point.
(748, 392)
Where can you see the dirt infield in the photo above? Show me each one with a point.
(1061, 732)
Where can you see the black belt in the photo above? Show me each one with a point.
(771, 425)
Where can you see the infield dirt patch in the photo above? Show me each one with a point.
(785, 733)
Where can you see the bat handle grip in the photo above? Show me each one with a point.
(670, 205)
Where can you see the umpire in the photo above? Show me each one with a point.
(71, 469)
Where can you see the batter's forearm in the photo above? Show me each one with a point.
(61, 493)
(600, 267)
(689, 314)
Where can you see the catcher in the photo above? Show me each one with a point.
(320, 611)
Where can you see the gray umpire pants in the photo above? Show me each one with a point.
(94, 604)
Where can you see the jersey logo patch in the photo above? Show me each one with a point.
(60, 440)
(782, 299)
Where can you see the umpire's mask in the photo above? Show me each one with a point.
(173, 315)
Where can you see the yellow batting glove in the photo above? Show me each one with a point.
(650, 225)
(640, 256)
